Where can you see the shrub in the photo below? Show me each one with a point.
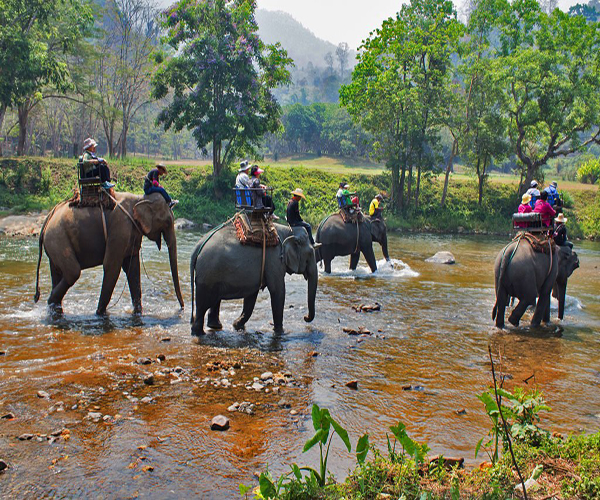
(589, 172)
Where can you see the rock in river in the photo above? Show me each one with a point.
(442, 258)
(3, 465)
(219, 423)
(181, 223)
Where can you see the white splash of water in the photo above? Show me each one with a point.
(395, 268)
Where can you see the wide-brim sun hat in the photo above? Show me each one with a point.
(533, 184)
(245, 168)
(561, 218)
(160, 166)
(526, 198)
(89, 143)
(299, 192)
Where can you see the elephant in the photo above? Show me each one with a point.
(526, 274)
(340, 238)
(77, 238)
(222, 269)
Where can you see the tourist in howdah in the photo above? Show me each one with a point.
(242, 180)
(94, 166)
(543, 207)
(524, 208)
(375, 209)
(553, 195)
(534, 192)
(152, 184)
(344, 197)
(293, 213)
(260, 199)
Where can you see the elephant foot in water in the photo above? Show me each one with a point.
(513, 321)
(214, 324)
(197, 331)
(239, 324)
(55, 310)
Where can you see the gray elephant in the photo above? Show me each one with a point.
(340, 238)
(77, 238)
(222, 269)
(526, 274)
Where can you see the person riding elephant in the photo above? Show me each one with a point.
(521, 272)
(340, 238)
(222, 269)
(77, 238)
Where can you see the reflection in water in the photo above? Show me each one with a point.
(432, 334)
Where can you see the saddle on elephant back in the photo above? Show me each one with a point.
(90, 192)
(254, 229)
(541, 244)
(355, 217)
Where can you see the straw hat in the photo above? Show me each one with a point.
(526, 199)
(89, 143)
(299, 192)
(160, 166)
(561, 218)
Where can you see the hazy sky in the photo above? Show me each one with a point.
(347, 20)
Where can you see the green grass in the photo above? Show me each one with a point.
(28, 184)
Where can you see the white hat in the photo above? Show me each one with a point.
(89, 143)
(299, 192)
(533, 184)
(561, 218)
(244, 166)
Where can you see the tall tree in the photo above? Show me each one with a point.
(549, 70)
(342, 53)
(221, 77)
(402, 69)
(129, 34)
(35, 36)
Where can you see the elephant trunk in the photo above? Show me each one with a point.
(561, 294)
(171, 242)
(313, 279)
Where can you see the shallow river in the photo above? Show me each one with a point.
(435, 327)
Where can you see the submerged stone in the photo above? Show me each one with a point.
(219, 423)
(442, 258)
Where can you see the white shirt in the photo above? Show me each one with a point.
(242, 180)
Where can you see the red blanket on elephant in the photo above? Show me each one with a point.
(542, 245)
(253, 229)
(355, 217)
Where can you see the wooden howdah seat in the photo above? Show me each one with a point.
(530, 222)
(243, 199)
(91, 193)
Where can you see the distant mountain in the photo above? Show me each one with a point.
(303, 45)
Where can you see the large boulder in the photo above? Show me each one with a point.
(182, 223)
(442, 258)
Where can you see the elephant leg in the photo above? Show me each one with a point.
(501, 302)
(131, 266)
(111, 276)
(201, 308)
(277, 293)
(354, 258)
(213, 317)
(63, 279)
(249, 303)
(517, 312)
(543, 304)
(370, 258)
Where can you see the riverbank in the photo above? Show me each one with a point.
(34, 184)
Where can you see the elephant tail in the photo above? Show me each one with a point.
(36, 297)
(495, 311)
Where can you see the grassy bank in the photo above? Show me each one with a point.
(39, 183)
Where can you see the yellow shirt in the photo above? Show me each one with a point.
(373, 206)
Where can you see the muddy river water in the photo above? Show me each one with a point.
(118, 437)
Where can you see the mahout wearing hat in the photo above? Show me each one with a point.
(299, 192)
(561, 218)
(162, 168)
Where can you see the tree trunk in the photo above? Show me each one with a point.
(409, 185)
(401, 186)
(217, 167)
(394, 166)
(23, 112)
(449, 167)
(123, 152)
(418, 188)
(2, 114)
(480, 176)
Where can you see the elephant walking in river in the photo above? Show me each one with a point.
(526, 274)
(340, 238)
(77, 238)
(222, 269)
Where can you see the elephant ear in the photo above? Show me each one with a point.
(142, 213)
(291, 254)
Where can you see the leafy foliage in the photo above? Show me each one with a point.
(221, 77)
(589, 172)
